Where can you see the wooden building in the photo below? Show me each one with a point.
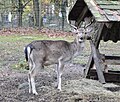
(106, 14)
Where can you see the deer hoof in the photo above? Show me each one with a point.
(59, 89)
(35, 93)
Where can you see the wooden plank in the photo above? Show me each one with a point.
(111, 18)
(110, 76)
(111, 7)
(112, 57)
(112, 15)
(113, 60)
(107, 2)
(102, 20)
(98, 10)
(117, 15)
(118, 12)
(108, 12)
(115, 2)
(103, 2)
(97, 63)
(98, 14)
(95, 10)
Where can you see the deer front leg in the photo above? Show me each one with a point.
(29, 82)
(60, 67)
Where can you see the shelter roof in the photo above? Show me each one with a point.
(101, 10)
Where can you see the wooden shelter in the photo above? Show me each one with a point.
(106, 14)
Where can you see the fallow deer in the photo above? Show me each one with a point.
(46, 52)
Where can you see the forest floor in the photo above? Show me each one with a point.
(75, 88)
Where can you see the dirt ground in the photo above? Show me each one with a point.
(75, 88)
(14, 87)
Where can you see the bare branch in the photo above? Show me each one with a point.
(26, 3)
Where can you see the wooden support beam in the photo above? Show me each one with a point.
(98, 35)
(81, 16)
(97, 63)
(96, 41)
(88, 66)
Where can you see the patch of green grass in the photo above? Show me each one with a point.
(25, 38)
(21, 65)
(28, 38)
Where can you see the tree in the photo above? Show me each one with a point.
(33, 7)
(5, 8)
(20, 12)
(36, 12)
(63, 11)
(21, 6)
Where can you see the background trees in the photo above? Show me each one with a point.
(33, 13)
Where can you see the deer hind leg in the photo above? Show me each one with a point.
(60, 67)
(31, 77)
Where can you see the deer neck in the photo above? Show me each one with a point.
(76, 47)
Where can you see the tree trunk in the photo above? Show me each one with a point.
(36, 13)
(40, 16)
(20, 12)
(63, 12)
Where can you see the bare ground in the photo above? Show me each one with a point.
(75, 88)
(14, 87)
